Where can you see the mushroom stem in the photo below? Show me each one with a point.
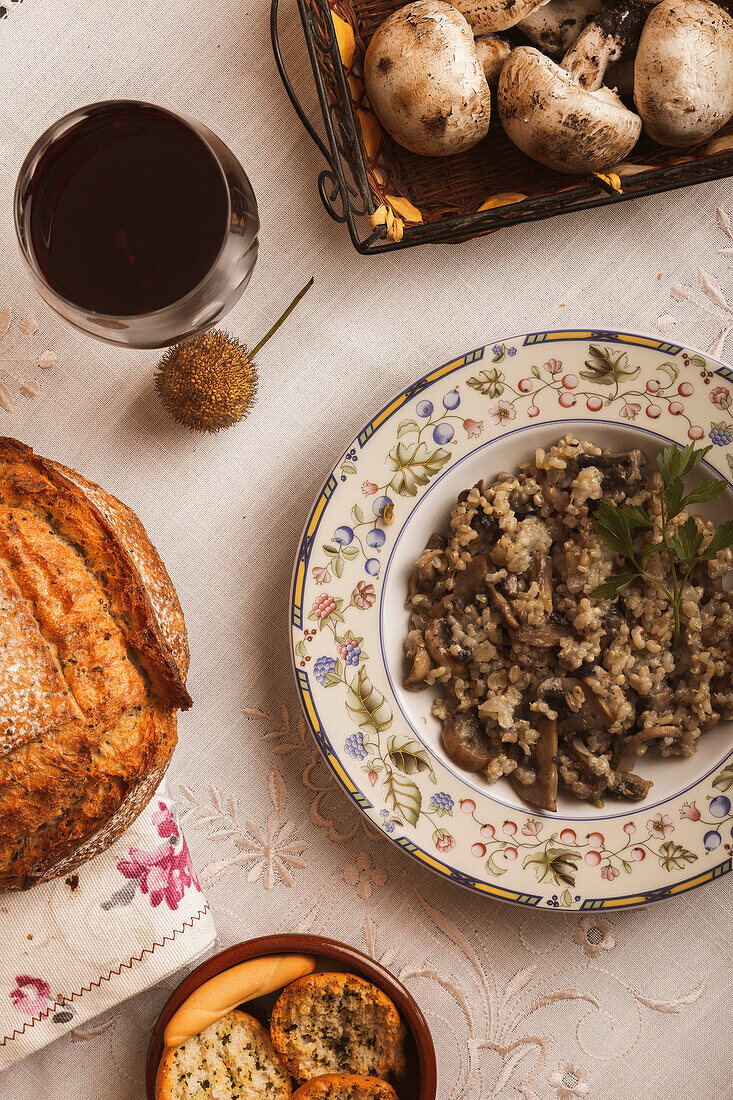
(541, 790)
(608, 37)
(554, 27)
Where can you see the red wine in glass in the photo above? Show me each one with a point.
(138, 225)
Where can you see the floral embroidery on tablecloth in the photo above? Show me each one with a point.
(330, 809)
(495, 1011)
(593, 934)
(270, 853)
(364, 874)
(569, 1081)
(16, 375)
(715, 302)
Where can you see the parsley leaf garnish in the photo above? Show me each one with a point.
(684, 549)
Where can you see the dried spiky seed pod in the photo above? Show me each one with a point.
(207, 383)
(210, 381)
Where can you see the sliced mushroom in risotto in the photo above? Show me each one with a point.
(538, 680)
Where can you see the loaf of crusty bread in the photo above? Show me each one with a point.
(232, 1059)
(345, 1086)
(93, 660)
(337, 1023)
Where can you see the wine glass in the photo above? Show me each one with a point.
(146, 233)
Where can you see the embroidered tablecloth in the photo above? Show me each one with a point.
(539, 1005)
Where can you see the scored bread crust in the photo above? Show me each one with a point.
(168, 1071)
(342, 991)
(345, 1086)
(93, 661)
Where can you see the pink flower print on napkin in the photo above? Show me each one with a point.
(164, 821)
(163, 874)
(31, 995)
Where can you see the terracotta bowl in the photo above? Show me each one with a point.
(419, 1080)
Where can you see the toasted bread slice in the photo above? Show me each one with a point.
(232, 1059)
(345, 1086)
(337, 1023)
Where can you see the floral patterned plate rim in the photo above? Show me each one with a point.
(480, 413)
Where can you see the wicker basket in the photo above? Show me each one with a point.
(391, 198)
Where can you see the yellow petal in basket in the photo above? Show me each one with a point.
(371, 132)
(356, 88)
(506, 198)
(404, 208)
(384, 215)
(345, 39)
(723, 143)
(393, 213)
(627, 168)
(610, 182)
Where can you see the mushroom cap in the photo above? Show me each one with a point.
(487, 16)
(425, 82)
(558, 123)
(683, 75)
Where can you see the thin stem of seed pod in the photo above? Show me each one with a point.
(280, 320)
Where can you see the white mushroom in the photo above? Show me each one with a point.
(492, 53)
(425, 82)
(614, 32)
(560, 114)
(683, 75)
(487, 16)
(554, 26)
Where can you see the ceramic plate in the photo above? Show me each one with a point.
(394, 486)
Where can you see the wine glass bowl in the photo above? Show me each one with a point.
(138, 225)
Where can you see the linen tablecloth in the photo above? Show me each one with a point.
(536, 1005)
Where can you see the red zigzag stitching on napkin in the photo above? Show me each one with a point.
(105, 978)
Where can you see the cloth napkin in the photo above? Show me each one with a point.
(75, 947)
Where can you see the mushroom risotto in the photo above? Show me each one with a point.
(542, 680)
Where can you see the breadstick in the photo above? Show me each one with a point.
(233, 987)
